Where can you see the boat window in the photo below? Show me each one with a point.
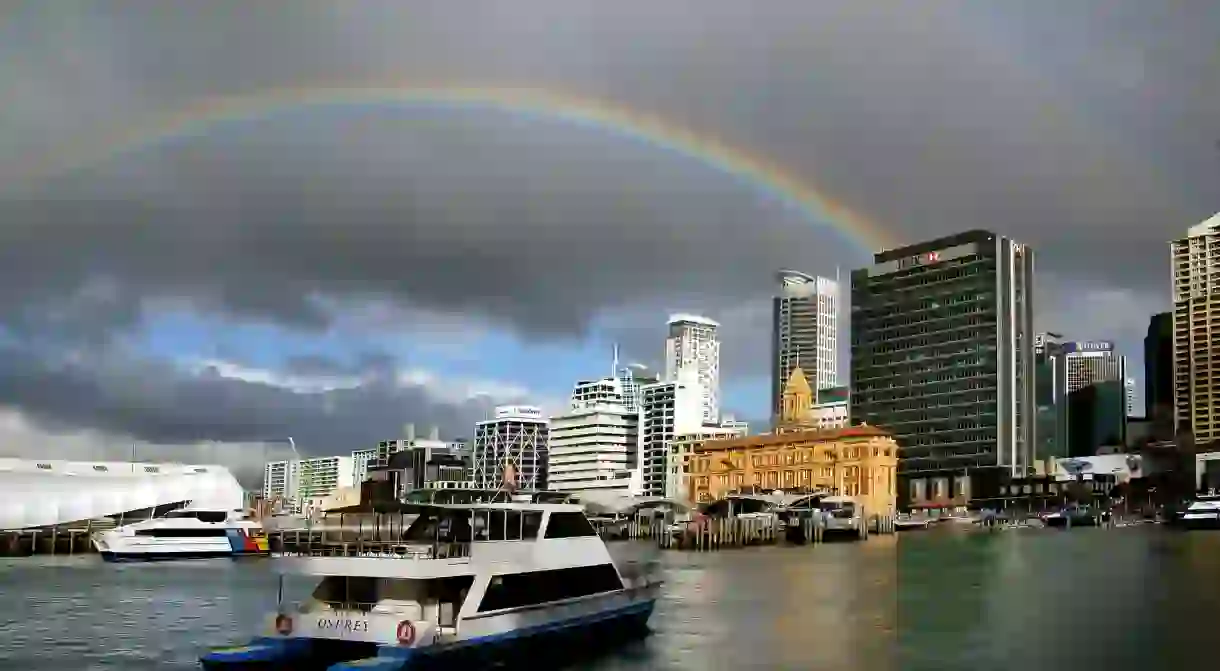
(198, 532)
(181, 514)
(443, 527)
(211, 515)
(531, 522)
(568, 525)
(504, 525)
(536, 587)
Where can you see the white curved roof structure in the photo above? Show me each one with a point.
(45, 493)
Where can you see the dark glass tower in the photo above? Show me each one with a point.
(942, 355)
(1158, 374)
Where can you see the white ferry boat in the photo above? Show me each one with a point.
(465, 584)
(186, 533)
(1202, 513)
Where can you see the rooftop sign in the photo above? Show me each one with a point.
(518, 412)
(1088, 346)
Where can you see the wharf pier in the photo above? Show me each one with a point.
(73, 540)
(747, 531)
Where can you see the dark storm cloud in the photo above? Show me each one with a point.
(1088, 132)
(160, 403)
(368, 364)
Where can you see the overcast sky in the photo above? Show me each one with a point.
(331, 272)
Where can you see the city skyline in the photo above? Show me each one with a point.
(283, 232)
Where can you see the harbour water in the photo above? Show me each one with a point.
(1116, 599)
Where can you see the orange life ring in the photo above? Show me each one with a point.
(405, 633)
(283, 624)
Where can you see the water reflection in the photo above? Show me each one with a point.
(1118, 599)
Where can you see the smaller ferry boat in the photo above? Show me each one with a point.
(1202, 513)
(186, 533)
(460, 586)
(906, 522)
(1072, 516)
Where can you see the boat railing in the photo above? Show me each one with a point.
(314, 545)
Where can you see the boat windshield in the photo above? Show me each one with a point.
(466, 525)
(201, 515)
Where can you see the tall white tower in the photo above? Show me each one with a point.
(694, 345)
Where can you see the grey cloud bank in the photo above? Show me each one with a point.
(1088, 134)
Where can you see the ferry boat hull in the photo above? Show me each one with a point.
(577, 635)
(560, 631)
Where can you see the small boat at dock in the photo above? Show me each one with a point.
(1072, 516)
(912, 523)
(1202, 513)
(463, 584)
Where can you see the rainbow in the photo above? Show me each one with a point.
(205, 115)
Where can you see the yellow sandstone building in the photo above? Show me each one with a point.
(859, 461)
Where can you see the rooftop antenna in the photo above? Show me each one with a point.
(614, 365)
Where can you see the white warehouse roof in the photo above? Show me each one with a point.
(44, 493)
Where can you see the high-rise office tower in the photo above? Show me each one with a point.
(694, 345)
(1050, 393)
(1158, 374)
(1095, 395)
(804, 329)
(1196, 330)
(942, 356)
(1090, 362)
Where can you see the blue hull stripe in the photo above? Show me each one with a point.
(640, 610)
(284, 650)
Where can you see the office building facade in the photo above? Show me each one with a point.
(1050, 395)
(361, 461)
(942, 357)
(1097, 418)
(511, 449)
(1091, 362)
(668, 409)
(804, 332)
(410, 440)
(1158, 374)
(632, 379)
(693, 346)
(594, 444)
(1196, 330)
(832, 408)
(296, 484)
